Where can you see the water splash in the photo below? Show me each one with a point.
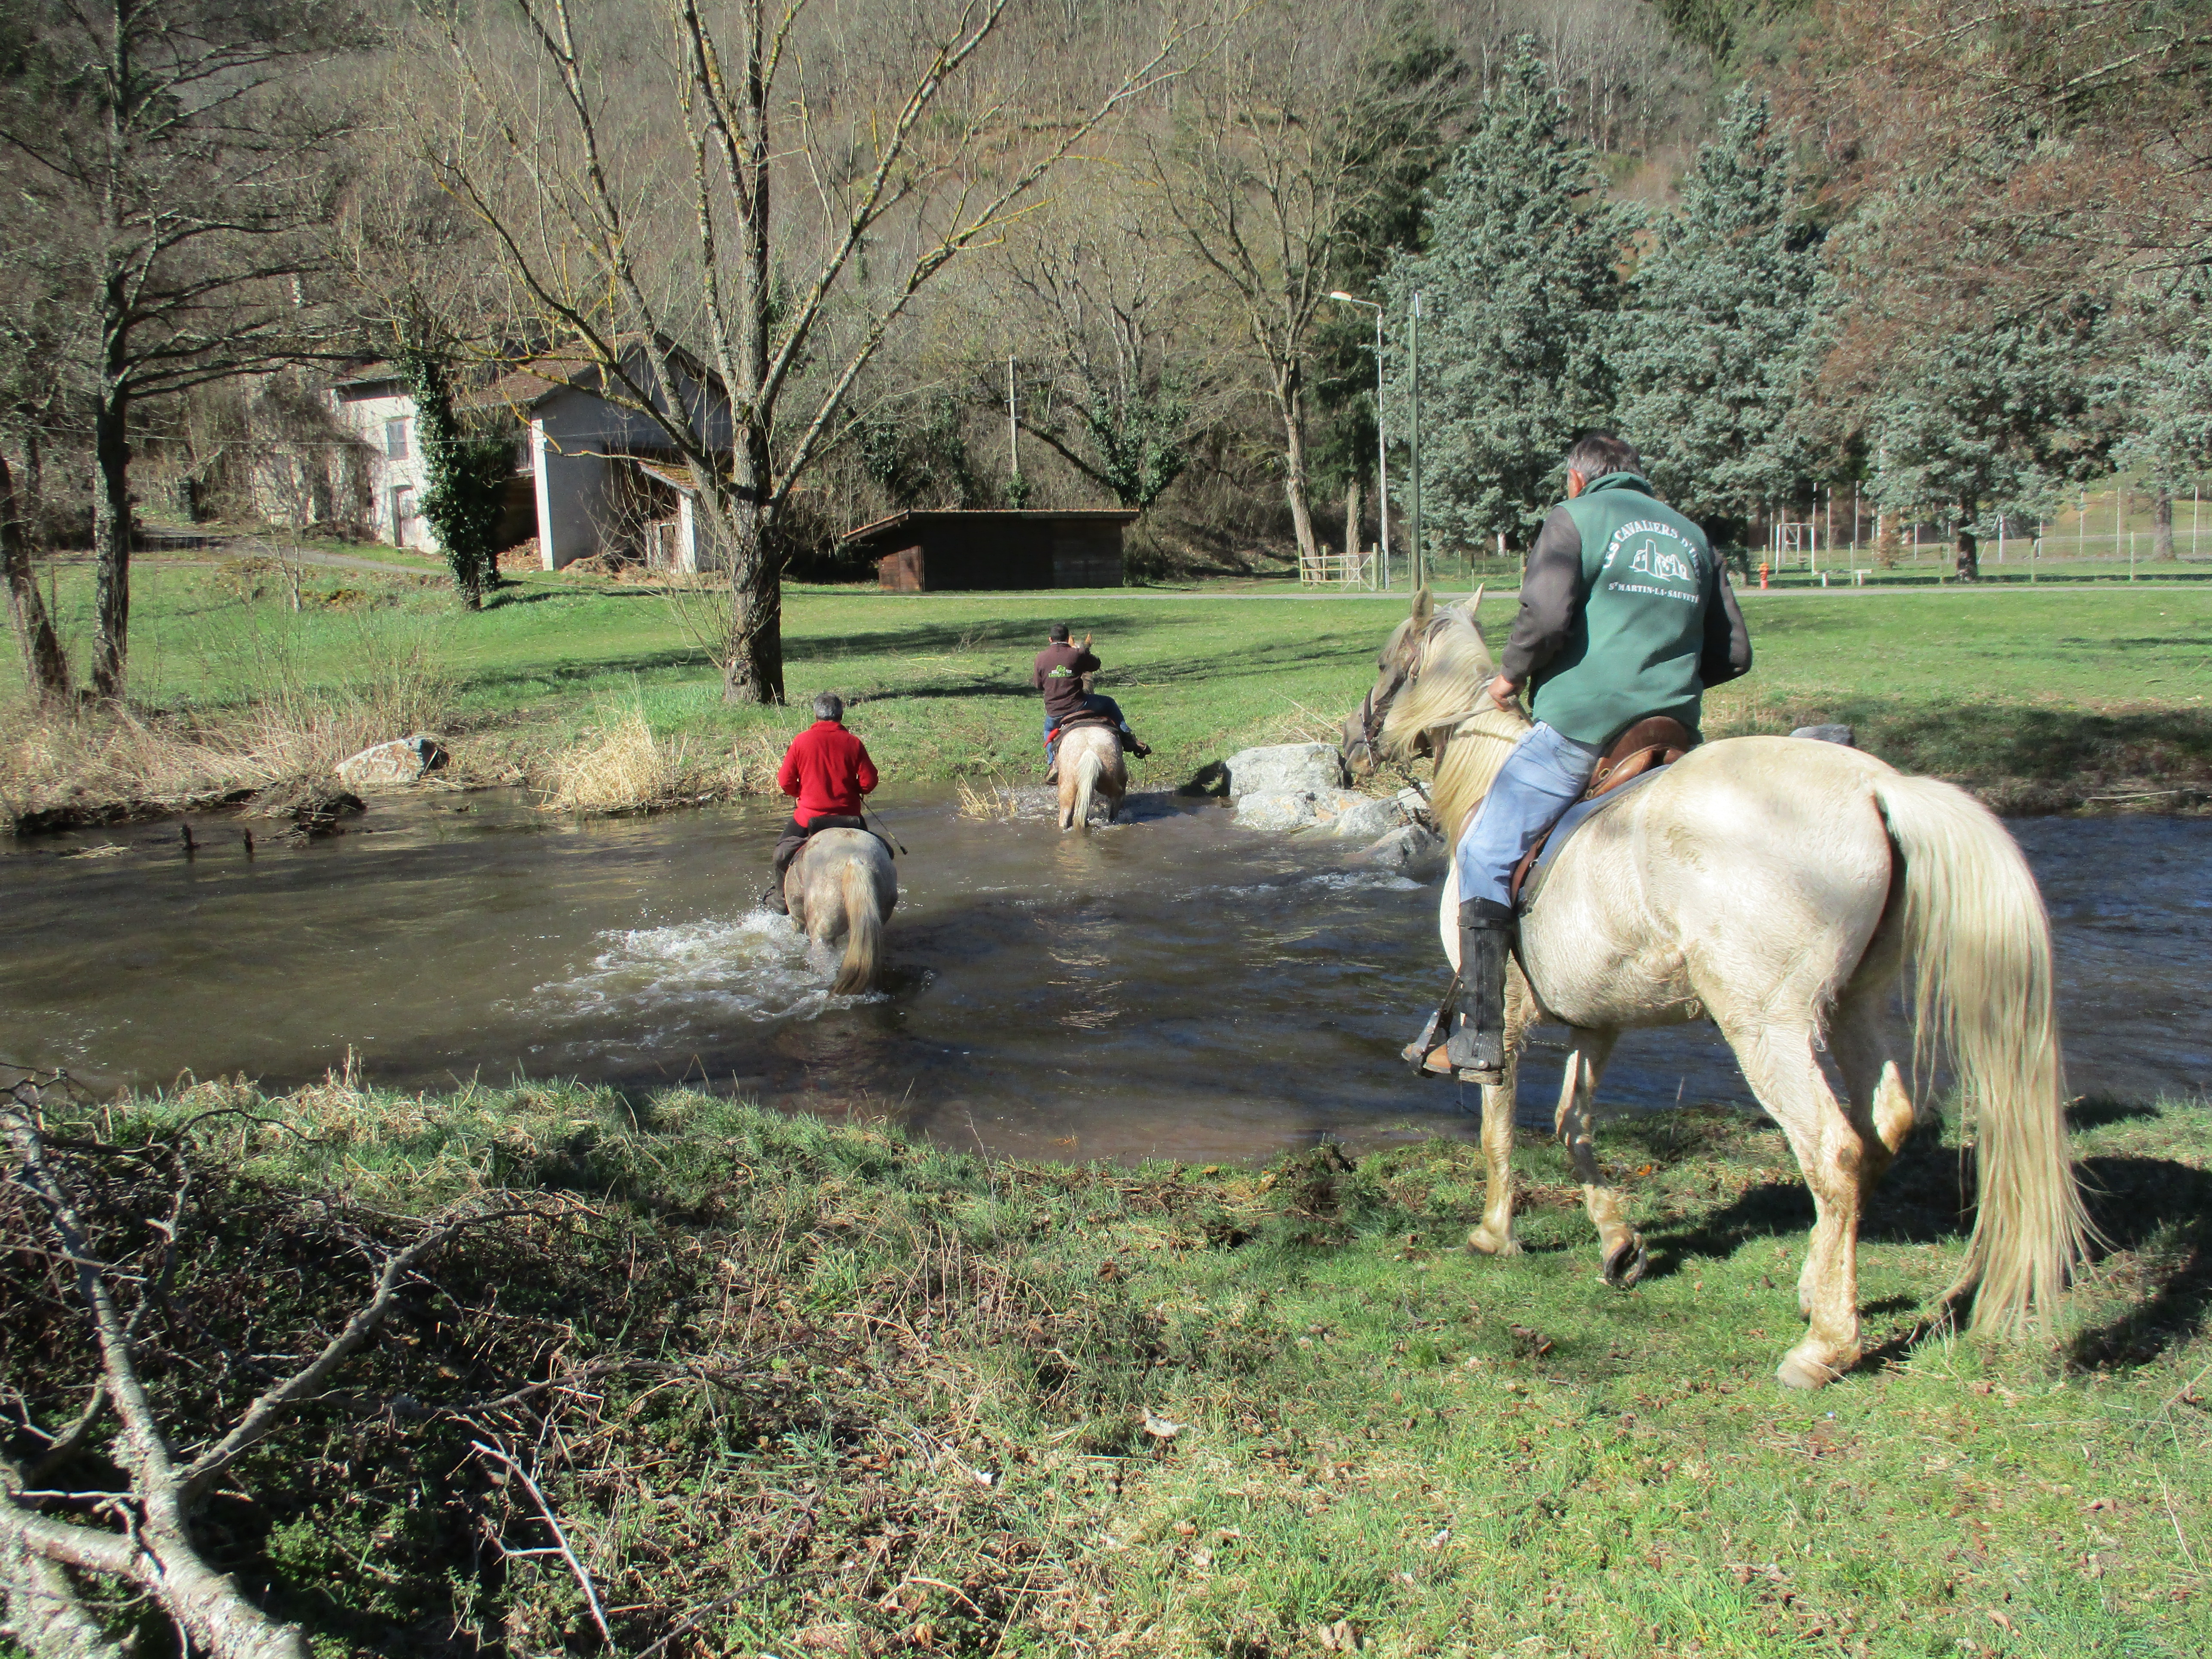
(757, 967)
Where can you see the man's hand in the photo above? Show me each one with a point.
(1503, 692)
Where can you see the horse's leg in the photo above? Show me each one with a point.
(1494, 1235)
(1624, 1255)
(1778, 1063)
(1879, 1108)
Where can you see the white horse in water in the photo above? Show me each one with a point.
(842, 886)
(1776, 885)
(1090, 768)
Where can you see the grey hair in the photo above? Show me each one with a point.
(1600, 452)
(828, 707)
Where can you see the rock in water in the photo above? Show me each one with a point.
(1369, 819)
(1285, 767)
(1410, 851)
(403, 760)
(1283, 810)
(1842, 734)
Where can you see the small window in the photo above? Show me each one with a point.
(395, 438)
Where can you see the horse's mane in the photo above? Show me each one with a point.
(1446, 690)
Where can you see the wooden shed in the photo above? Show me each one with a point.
(937, 551)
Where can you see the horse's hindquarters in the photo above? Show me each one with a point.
(1091, 769)
(1746, 884)
(842, 885)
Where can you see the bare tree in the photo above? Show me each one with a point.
(1283, 160)
(756, 201)
(45, 667)
(171, 159)
(1108, 313)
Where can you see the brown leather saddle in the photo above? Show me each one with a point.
(1656, 741)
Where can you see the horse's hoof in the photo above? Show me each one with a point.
(1799, 1369)
(1626, 1263)
(1487, 1243)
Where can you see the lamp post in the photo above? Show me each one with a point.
(1414, 563)
(1382, 442)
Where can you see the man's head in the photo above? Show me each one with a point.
(1596, 455)
(1059, 634)
(828, 707)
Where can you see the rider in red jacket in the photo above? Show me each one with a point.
(828, 770)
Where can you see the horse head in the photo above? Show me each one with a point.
(1397, 666)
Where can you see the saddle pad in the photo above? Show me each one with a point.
(1573, 819)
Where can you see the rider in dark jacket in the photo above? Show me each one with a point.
(1625, 613)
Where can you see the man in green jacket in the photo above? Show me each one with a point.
(1624, 613)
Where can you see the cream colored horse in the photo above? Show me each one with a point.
(1090, 768)
(1775, 886)
(842, 885)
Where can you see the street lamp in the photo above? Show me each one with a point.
(1382, 444)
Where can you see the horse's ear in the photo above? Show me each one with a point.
(1424, 606)
(1472, 609)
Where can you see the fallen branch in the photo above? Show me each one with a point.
(560, 1537)
(152, 1547)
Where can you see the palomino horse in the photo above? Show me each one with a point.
(842, 884)
(1090, 766)
(1776, 885)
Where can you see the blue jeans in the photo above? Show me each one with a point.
(1544, 775)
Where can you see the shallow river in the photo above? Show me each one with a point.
(1176, 986)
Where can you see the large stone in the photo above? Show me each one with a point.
(403, 760)
(1409, 851)
(1280, 810)
(1285, 768)
(1369, 819)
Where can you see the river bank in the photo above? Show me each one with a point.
(2039, 700)
(797, 1389)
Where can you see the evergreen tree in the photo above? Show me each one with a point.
(1725, 309)
(466, 473)
(1519, 282)
(1981, 417)
(2167, 391)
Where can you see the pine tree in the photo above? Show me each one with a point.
(2167, 390)
(1991, 414)
(1719, 339)
(1518, 284)
(466, 473)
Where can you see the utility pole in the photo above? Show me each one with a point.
(1415, 565)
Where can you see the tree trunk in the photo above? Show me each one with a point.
(2161, 534)
(753, 671)
(111, 544)
(1352, 543)
(1290, 398)
(1968, 562)
(44, 665)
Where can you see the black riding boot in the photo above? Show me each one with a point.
(1477, 1049)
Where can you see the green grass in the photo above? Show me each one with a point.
(2040, 697)
(831, 1392)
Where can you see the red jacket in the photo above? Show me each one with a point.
(828, 769)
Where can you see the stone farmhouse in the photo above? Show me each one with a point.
(591, 477)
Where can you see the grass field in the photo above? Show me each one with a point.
(815, 1390)
(2040, 699)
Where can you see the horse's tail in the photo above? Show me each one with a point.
(864, 929)
(1087, 765)
(1980, 942)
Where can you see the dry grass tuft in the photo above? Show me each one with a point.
(994, 802)
(620, 767)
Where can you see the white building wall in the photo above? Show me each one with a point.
(397, 484)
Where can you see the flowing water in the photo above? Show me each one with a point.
(1175, 987)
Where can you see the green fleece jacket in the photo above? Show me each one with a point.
(1624, 613)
